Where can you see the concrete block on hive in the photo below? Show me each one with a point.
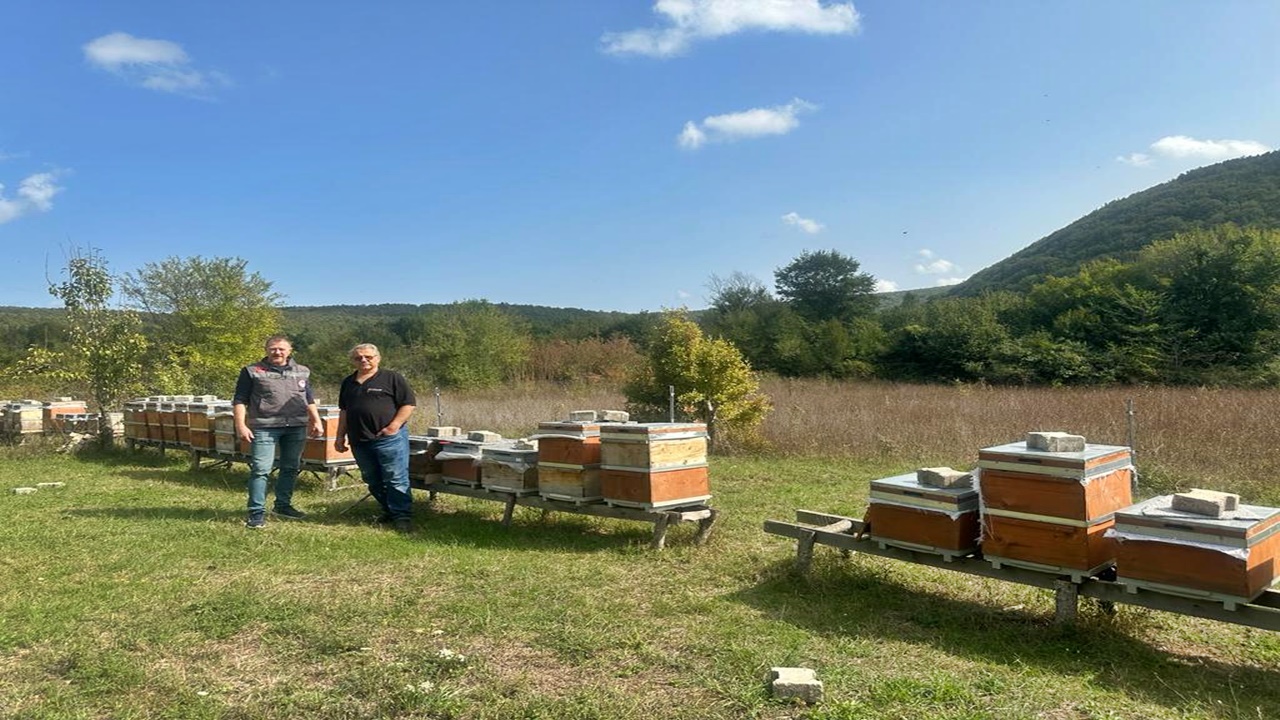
(1055, 442)
(483, 436)
(587, 416)
(944, 477)
(444, 431)
(1209, 503)
(614, 416)
(796, 684)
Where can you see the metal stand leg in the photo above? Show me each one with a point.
(353, 505)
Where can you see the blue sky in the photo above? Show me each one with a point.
(602, 154)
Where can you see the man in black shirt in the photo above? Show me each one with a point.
(374, 406)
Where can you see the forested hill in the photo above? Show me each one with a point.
(542, 321)
(1245, 191)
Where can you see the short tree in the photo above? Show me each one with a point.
(472, 344)
(212, 315)
(712, 381)
(104, 345)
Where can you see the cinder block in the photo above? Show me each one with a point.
(1055, 442)
(23, 490)
(943, 477)
(443, 431)
(483, 436)
(613, 416)
(51, 485)
(585, 416)
(1209, 503)
(796, 684)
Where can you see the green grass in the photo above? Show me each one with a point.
(135, 592)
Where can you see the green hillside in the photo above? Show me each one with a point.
(1245, 191)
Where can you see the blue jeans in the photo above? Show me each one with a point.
(384, 465)
(262, 455)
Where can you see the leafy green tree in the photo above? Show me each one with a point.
(104, 345)
(712, 381)
(211, 316)
(826, 284)
(472, 344)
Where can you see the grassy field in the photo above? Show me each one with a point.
(134, 591)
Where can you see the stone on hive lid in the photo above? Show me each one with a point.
(525, 444)
(1055, 442)
(614, 416)
(1209, 503)
(587, 416)
(943, 477)
(484, 436)
(443, 431)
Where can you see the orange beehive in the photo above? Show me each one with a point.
(653, 465)
(1051, 510)
(905, 513)
(321, 449)
(53, 411)
(569, 460)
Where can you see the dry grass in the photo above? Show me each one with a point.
(1183, 437)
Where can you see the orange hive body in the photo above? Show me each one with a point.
(1231, 558)
(460, 461)
(53, 411)
(904, 513)
(322, 449)
(201, 416)
(168, 429)
(182, 422)
(151, 417)
(1051, 510)
(569, 460)
(652, 465)
(135, 420)
(424, 467)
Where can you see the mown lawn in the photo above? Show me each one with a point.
(135, 592)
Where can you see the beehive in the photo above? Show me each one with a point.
(24, 417)
(568, 460)
(460, 459)
(224, 432)
(200, 418)
(1230, 558)
(1051, 510)
(510, 466)
(651, 465)
(906, 513)
(53, 410)
(135, 420)
(322, 449)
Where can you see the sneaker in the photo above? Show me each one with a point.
(403, 525)
(289, 511)
(256, 521)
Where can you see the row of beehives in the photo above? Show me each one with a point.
(205, 424)
(592, 457)
(1057, 504)
(61, 415)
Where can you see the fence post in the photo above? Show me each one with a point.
(1131, 425)
(671, 403)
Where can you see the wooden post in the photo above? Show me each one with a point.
(508, 510)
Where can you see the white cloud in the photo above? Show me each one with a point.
(1183, 147)
(683, 294)
(35, 194)
(687, 21)
(883, 286)
(757, 122)
(159, 65)
(812, 227)
(942, 282)
(930, 264)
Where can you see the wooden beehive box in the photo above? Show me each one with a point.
(569, 460)
(224, 433)
(201, 416)
(653, 465)
(904, 513)
(460, 461)
(53, 410)
(1051, 510)
(1230, 558)
(24, 417)
(511, 466)
(322, 449)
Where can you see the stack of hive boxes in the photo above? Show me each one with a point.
(654, 465)
(322, 449)
(933, 510)
(200, 421)
(135, 419)
(424, 467)
(1199, 544)
(569, 455)
(225, 440)
(151, 417)
(1048, 502)
(460, 459)
(52, 413)
(510, 466)
(24, 417)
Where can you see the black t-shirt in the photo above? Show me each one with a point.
(371, 405)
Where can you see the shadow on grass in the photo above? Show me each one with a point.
(174, 512)
(863, 598)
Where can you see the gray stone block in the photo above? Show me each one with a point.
(583, 416)
(51, 485)
(1055, 442)
(943, 477)
(796, 684)
(613, 416)
(483, 436)
(444, 431)
(1209, 503)
(23, 490)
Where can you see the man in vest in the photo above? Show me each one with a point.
(273, 407)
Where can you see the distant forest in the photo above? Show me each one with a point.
(1178, 284)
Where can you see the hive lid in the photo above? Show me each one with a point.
(653, 430)
(1156, 516)
(909, 486)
